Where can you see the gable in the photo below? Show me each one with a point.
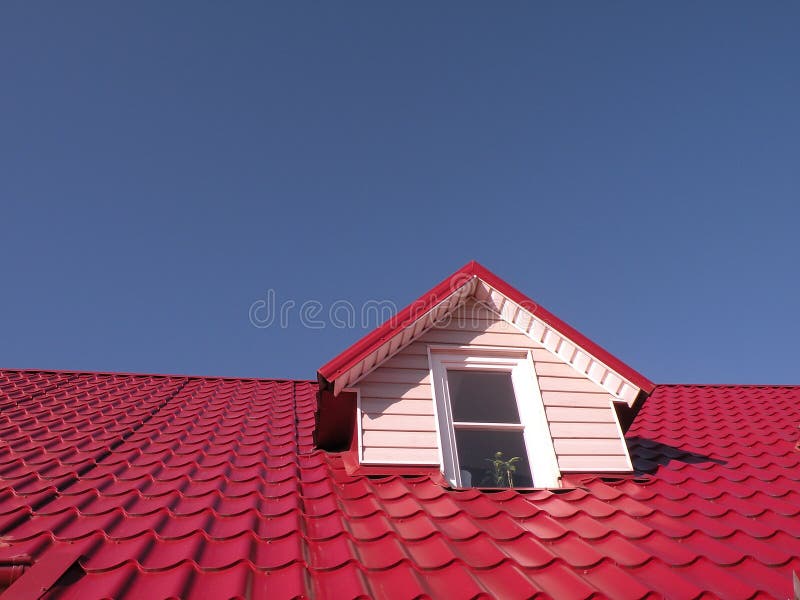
(397, 413)
(474, 281)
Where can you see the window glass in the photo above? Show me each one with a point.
(482, 467)
(482, 397)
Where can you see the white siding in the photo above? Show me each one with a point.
(397, 420)
(398, 423)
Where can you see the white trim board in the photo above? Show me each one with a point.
(533, 419)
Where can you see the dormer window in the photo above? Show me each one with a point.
(492, 423)
(478, 382)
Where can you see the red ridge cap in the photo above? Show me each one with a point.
(363, 347)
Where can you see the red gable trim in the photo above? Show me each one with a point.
(417, 309)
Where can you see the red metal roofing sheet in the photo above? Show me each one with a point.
(200, 487)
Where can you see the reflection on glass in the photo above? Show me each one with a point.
(477, 455)
(482, 397)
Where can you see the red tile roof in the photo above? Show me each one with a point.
(159, 486)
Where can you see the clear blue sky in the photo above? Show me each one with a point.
(633, 167)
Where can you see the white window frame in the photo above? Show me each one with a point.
(536, 432)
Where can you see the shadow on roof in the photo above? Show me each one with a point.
(648, 455)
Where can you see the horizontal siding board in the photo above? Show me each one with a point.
(479, 315)
(589, 400)
(593, 463)
(403, 360)
(389, 375)
(386, 422)
(410, 456)
(555, 369)
(400, 439)
(576, 414)
(396, 406)
(416, 348)
(542, 355)
(510, 339)
(479, 326)
(473, 308)
(569, 384)
(584, 430)
(396, 390)
(589, 447)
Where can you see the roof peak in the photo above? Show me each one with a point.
(431, 301)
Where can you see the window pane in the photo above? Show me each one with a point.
(482, 396)
(480, 465)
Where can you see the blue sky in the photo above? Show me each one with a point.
(631, 166)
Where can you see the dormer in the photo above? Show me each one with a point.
(477, 381)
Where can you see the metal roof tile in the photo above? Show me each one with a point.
(509, 581)
(561, 581)
(177, 486)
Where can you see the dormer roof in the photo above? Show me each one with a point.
(475, 280)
